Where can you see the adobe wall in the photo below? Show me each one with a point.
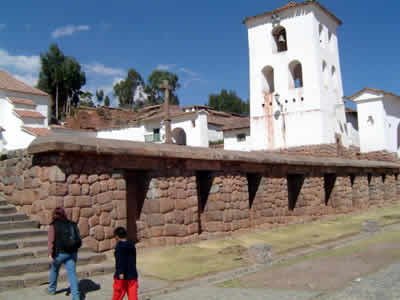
(179, 196)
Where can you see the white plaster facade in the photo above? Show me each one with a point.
(16, 134)
(194, 125)
(306, 75)
(237, 139)
(378, 120)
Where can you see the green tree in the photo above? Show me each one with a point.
(99, 95)
(228, 102)
(86, 99)
(153, 91)
(125, 89)
(62, 78)
(107, 101)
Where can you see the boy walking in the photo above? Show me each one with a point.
(125, 277)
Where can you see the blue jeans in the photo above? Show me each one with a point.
(69, 261)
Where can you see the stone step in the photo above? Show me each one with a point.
(13, 217)
(18, 224)
(42, 278)
(3, 202)
(13, 234)
(35, 265)
(7, 209)
(32, 252)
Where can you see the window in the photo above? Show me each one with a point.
(280, 39)
(325, 73)
(241, 137)
(321, 34)
(156, 135)
(296, 72)
(268, 85)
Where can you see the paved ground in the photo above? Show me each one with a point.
(338, 276)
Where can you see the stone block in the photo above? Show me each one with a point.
(69, 201)
(104, 198)
(108, 232)
(172, 230)
(73, 178)
(181, 203)
(83, 179)
(95, 189)
(44, 191)
(87, 212)
(166, 205)
(156, 231)
(121, 184)
(103, 186)
(112, 184)
(155, 220)
(56, 174)
(119, 195)
(44, 174)
(85, 189)
(105, 219)
(179, 216)
(83, 201)
(108, 207)
(74, 189)
(83, 227)
(97, 232)
(76, 214)
(91, 243)
(53, 202)
(104, 177)
(45, 217)
(58, 189)
(94, 221)
(93, 178)
(121, 209)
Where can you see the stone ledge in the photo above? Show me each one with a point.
(70, 144)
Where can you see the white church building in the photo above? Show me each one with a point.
(24, 112)
(296, 94)
(296, 98)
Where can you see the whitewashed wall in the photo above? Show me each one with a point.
(378, 122)
(231, 140)
(13, 136)
(215, 133)
(128, 134)
(311, 113)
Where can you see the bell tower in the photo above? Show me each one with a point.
(296, 94)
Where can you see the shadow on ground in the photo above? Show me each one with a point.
(85, 286)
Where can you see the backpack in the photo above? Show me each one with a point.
(69, 237)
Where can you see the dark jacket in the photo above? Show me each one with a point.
(125, 260)
(58, 226)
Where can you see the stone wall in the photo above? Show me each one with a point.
(169, 201)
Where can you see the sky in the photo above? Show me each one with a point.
(203, 42)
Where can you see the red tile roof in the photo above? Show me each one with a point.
(294, 4)
(37, 131)
(7, 82)
(29, 114)
(367, 89)
(22, 101)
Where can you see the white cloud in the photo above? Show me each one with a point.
(162, 67)
(189, 72)
(28, 78)
(2, 27)
(68, 30)
(100, 69)
(19, 63)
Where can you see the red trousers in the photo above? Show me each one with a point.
(121, 287)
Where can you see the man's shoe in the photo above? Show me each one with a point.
(46, 290)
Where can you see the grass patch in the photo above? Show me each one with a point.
(206, 257)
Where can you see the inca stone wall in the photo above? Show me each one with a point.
(169, 200)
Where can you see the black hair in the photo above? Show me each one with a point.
(120, 232)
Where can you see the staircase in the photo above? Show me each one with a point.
(23, 253)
